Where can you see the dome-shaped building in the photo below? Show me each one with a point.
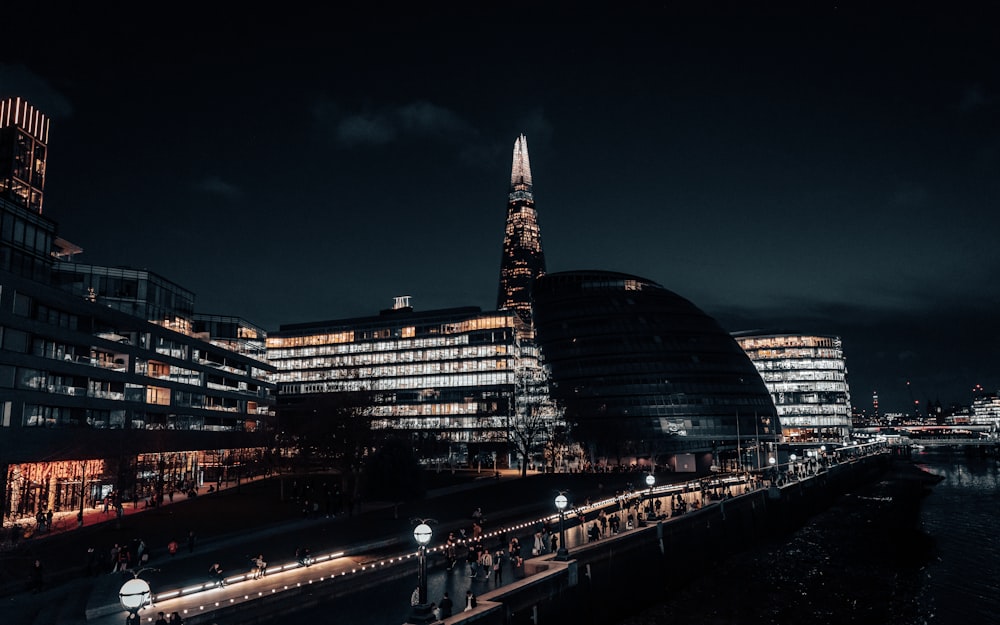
(643, 373)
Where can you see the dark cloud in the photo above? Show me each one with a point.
(385, 125)
(16, 80)
(972, 99)
(214, 185)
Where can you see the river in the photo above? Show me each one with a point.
(903, 551)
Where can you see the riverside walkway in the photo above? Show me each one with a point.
(233, 525)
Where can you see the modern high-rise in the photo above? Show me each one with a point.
(106, 383)
(807, 378)
(28, 239)
(646, 376)
(986, 410)
(445, 379)
(522, 260)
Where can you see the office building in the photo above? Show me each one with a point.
(105, 385)
(444, 379)
(986, 410)
(645, 376)
(807, 378)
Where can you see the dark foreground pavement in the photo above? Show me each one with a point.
(262, 516)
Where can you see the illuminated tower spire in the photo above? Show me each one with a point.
(522, 260)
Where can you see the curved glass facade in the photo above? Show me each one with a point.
(641, 370)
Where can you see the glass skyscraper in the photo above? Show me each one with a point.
(522, 260)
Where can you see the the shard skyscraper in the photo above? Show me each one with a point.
(522, 260)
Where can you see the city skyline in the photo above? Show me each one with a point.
(829, 173)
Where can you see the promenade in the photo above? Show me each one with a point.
(264, 516)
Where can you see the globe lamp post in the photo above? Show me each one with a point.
(650, 480)
(134, 595)
(561, 503)
(422, 612)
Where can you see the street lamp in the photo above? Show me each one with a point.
(650, 480)
(134, 595)
(561, 503)
(422, 612)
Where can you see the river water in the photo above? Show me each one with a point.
(904, 551)
(962, 516)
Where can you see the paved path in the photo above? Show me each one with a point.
(233, 525)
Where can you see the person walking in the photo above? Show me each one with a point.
(161, 619)
(472, 559)
(445, 605)
(498, 568)
(260, 566)
(36, 581)
(215, 573)
(486, 563)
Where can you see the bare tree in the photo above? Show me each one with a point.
(532, 427)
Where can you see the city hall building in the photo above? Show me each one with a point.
(645, 376)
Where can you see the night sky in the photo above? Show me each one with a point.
(826, 171)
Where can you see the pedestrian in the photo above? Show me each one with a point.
(175, 619)
(124, 558)
(191, 539)
(92, 564)
(451, 551)
(260, 566)
(515, 547)
(216, 574)
(445, 605)
(160, 619)
(470, 601)
(36, 581)
(486, 563)
(172, 547)
(498, 568)
(472, 558)
(114, 558)
(553, 542)
(537, 545)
